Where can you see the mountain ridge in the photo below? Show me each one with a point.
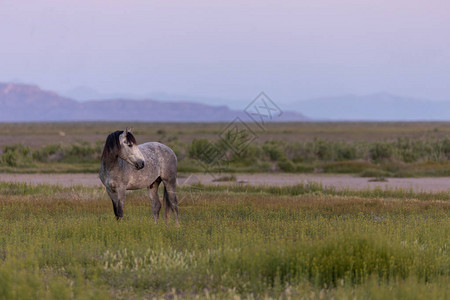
(23, 102)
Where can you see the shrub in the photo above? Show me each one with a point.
(83, 152)
(301, 168)
(286, 165)
(49, 153)
(381, 151)
(409, 155)
(273, 150)
(322, 149)
(16, 155)
(345, 151)
(198, 147)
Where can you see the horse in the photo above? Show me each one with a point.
(128, 166)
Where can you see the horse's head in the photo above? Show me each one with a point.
(129, 150)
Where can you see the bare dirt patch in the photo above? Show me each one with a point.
(428, 184)
(56, 179)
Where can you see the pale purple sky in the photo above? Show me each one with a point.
(293, 50)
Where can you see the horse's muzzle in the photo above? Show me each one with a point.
(139, 165)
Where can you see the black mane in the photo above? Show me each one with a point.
(112, 144)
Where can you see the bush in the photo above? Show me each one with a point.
(273, 150)
(83, 151)
(381, 151)
(322, 149)
(16, 155)
(19, 155)
(198, 147)
(345, 151)
(49, 153)
(301, 168)
(286, 165)
(409, 155)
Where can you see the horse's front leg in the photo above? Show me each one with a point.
(118, 199)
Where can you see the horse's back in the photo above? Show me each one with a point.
(160, 161)
(155, 149)
(160, 154)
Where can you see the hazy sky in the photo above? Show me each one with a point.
(231, 49)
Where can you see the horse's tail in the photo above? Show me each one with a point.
(170, 198)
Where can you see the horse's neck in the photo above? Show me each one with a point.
(111, 164)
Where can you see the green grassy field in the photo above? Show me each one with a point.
(235, 242)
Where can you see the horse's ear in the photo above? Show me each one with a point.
(129, 129)
(123, 135)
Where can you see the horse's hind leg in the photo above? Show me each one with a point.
(154, 198)
(170, 198)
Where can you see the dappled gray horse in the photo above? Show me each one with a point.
(128, 166)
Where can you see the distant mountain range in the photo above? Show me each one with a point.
(375, 107)
(85, 93)
(21, 102)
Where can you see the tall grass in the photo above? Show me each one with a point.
(64, 242)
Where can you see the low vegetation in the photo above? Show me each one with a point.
(251, 242)
(79, 157)
(400, 158)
